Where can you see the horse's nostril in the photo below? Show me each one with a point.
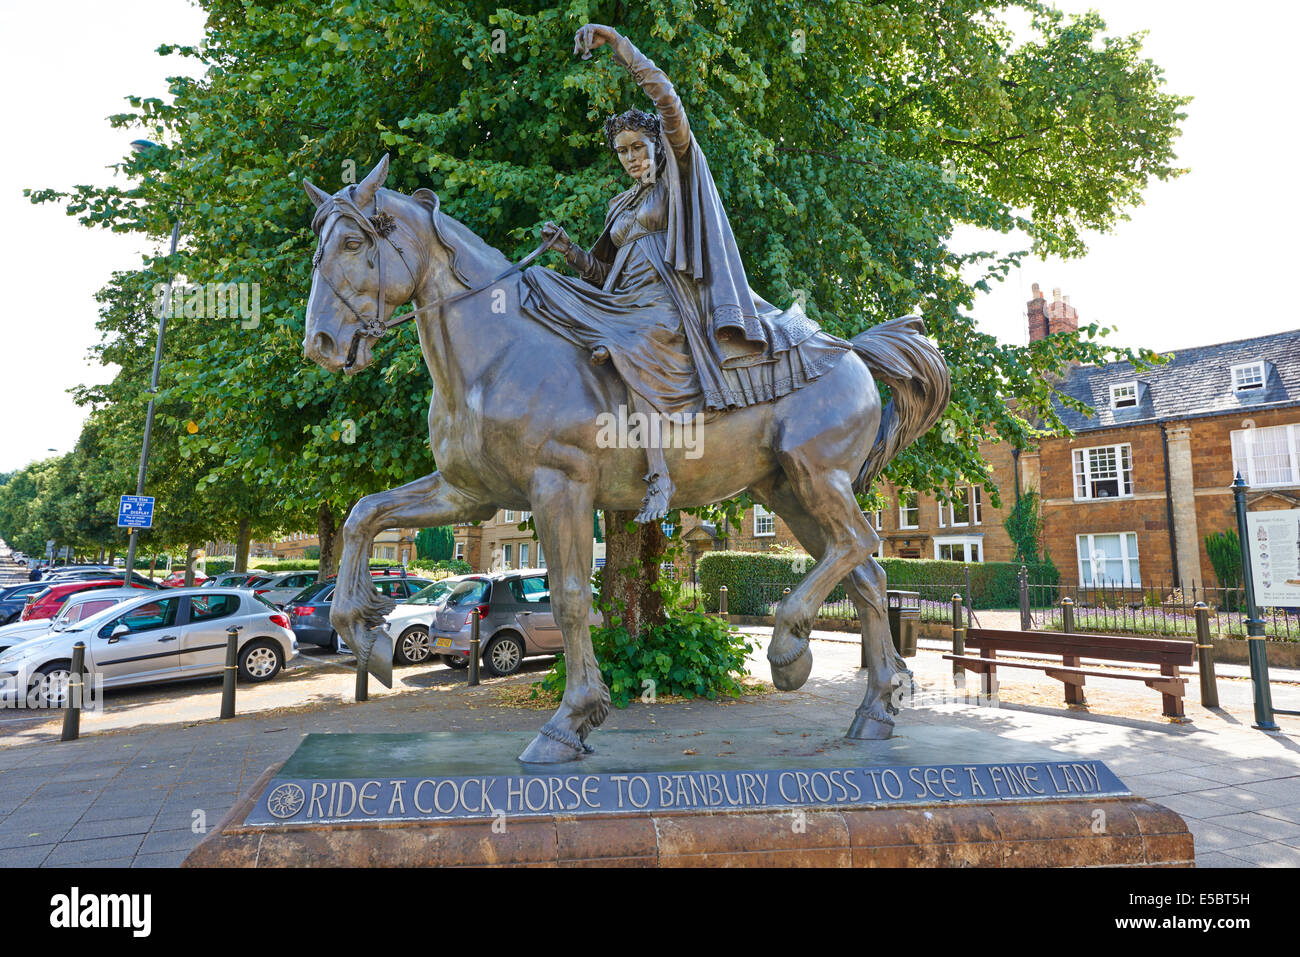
(322, 344)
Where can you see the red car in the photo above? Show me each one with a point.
(46, 603)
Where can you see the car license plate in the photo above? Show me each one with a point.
(442, 643)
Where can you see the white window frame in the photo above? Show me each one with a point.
(903, 509)
(1126, 392)
(459, 553)
(1244, 444)
(509, 517)
(1249, 376)
(507, 553)
(523, 554)
(974, 509)
(541, 558)
(972, 545)
(768, 520)
(1083, 476)
(1086, 552)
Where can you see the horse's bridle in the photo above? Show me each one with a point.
(380, 225)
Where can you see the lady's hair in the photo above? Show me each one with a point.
(631, 120)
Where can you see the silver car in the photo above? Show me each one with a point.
(78, 606)
(279, 587)
(159, 636)
(516, 619)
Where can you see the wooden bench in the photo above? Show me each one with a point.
(1170, 655)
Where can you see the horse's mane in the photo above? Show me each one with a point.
(472, 260)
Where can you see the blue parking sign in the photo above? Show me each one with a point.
(135, 511)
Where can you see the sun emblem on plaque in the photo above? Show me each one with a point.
(285, 801)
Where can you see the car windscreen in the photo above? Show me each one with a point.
(473, 591)
(305, 595)
(431, 594)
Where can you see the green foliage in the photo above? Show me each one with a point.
(992, 584)
(690, 654)
(1224, 549)
(434, 544)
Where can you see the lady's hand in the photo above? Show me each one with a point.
(562, 242)
(591, 36)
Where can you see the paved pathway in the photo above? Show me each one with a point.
(143, 796)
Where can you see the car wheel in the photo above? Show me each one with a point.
(50, 684)
(456, 661)
(503, 654)
(414, 646)
(337, 645)
(260, 660)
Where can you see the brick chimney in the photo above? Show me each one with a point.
(1048, 319)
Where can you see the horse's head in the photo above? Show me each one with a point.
(368, 262)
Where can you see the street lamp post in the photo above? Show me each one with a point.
(1254, 624)
(140, 147)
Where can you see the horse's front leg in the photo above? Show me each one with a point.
(358, 611)
(562, 513)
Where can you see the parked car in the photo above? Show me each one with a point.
(98, 574)
(177, 579)
(516, 620)
(408, 624)
(280, 587)
(13, 599)
(46, 604)
(309, 610)
(229, 580)
(78, 606)
(156, 637)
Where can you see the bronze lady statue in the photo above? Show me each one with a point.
(663, 293)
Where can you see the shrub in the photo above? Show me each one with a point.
(691, 654)
(992, 584)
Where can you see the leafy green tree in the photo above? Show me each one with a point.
(848, 141)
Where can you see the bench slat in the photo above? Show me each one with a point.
(1050, 666)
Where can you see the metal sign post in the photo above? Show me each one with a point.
(1254, 624)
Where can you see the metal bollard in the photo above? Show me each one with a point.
(362, 692)
(1067, 615)
(1022, 580)
(231, 672)
(72, 709)
(474, 649)
(1205, 657)
(722, 601)
(958, 643)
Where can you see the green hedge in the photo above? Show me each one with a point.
(268, 565)
(992, 584)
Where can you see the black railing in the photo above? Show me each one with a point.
(935, 601)
(1152, 608)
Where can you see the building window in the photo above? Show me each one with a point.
(909, 510)
(1103, 472)
(541, 559)
(507, 554)
(510, 517)
(1109, 560)
(1268, 456)
(460, 551)
(876, 518)
(1124, 395)
(1248, 376)
(523, 554)
(966, 508)
(764, 521)
(959, 549)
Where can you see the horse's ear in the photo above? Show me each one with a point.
(317, 196)
(428, 199)
(374, 179)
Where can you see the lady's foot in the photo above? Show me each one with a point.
(599, 355)
(654, 507)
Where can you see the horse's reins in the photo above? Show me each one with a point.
(380, 225)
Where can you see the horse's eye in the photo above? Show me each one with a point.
(352, 245)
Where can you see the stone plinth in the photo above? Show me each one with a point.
(931, 797)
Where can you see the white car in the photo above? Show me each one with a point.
(159, 636)
(78, 606)
(279, 587)
(408, 623)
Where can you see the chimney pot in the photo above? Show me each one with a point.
(1056, 295)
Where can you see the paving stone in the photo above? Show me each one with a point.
(118, 810)
(30, 856)
(1214, 837)
(88, 830)
(84, 865)
(99, 849)
(1251, 822)
(1161, 783)
(160, 841)
(1219, 859)
(1247, 800)
(1269, 854)
(164, 859)
(1283, 813)
(1194, 806)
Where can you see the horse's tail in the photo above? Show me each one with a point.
(899, 354)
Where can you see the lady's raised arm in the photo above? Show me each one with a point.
(659, 88)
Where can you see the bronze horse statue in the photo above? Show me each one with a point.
(513, 423)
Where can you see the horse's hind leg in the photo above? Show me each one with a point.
(562, 513)
(865, 585)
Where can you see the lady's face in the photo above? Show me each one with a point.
(636, 151)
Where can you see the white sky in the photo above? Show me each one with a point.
(1204, 260)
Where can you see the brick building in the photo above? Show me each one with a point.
(395, 545)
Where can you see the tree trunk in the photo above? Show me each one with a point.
(631, 571)
(191, 552)
(153, 564)
(327, 529)
(242, 542)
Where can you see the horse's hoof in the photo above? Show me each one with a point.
(544, 750)
(792, 675)
(868, 728)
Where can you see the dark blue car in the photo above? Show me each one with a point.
(309, 610)
(13, 598)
